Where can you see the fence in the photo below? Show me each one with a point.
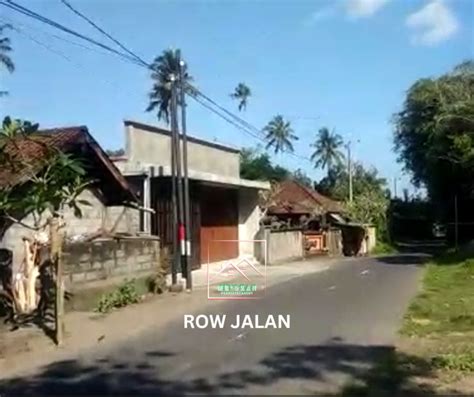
(282, 246)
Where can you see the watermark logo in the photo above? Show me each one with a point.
(240, 278)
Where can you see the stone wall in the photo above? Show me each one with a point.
(94, 216)
(281, 246)
(105, 259)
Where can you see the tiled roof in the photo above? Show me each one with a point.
(33, 149)
(75, 140)
(292, 197)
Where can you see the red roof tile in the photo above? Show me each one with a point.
(75, 140)
(292, 197)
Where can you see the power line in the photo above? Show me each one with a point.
(93, 24)
(230, 117)
(49, 48)
(32, 14)
(49, 34)
(195, 92)
(230, 121)
(229, 113)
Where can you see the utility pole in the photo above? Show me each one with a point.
(395, 187)
(174, 182)
(187, 216)
(349, 169)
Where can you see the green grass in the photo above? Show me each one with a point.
(440, 327)
(383, 248)
(87, 299)
(446, 303)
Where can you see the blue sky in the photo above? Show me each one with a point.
(344, 64)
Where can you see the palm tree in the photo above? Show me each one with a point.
(327, 153)
(162, 68)
(242, 93)
(279, 134)
(5, 48)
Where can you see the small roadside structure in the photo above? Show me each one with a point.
(296, 206)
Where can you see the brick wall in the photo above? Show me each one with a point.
(93, 217)
(103, 259)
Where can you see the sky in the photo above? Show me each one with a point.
(343, 64)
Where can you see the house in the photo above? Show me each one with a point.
(111, 199)
(223, 206)
(294, 205)
(292, 201)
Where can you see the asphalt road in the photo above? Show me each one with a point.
(342, 321)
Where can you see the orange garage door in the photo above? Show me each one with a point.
(219, 221)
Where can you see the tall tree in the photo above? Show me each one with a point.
(258, 166)
(162, 68)
(336, 183)
(327, 150)
(300, 176)
(434, 137)
(279, 135)
(5, 49)
(241, 93)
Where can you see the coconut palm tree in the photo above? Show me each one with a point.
(162, 68)
(279, 135)
(327, 150)
(241, 93)
(5, 48)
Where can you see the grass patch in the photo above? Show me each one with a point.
(445, 305)
(126, 294)
(383, 248)
(88, 298)
(462, 362)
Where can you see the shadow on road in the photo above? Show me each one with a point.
(418, 259)
(298, 363)
(414, 252)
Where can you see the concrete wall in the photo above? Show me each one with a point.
(155, 148)
(249, 218)
(86, 264)
(281, 246)
(94, 217)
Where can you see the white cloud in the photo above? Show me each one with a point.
(433, 23)
(364, 8)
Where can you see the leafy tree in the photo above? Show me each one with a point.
(115, 153)
(241, 93)
(162, 68)
(301, 177)
(49, 184)
(279, 135)
(5, 49)
(370, 207)
(434, 134)
(327, 150)
(336, 183)
(258, 166)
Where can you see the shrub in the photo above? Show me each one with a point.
(463, 362)
(124, 295)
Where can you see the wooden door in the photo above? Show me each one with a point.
(219, 221)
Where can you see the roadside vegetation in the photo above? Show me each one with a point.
(384, 248)
(126, 294)
(435, 353)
